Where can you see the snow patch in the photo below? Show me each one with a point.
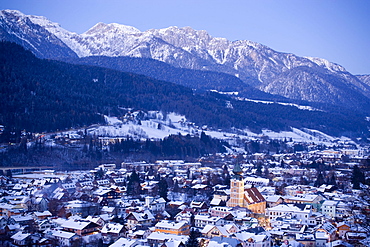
(112, 120)
(301, 107)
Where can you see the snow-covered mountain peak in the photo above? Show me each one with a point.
(333, 67)
(8, 12)
(183, 37)
(17, 16)
(111, 28)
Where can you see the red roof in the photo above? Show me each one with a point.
(252, 195)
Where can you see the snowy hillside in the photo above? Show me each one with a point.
(174, 124)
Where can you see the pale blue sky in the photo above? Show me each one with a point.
(337, 30)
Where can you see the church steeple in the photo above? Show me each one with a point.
(237, 170)
(236, 188)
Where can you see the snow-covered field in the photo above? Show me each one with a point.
(161, 127)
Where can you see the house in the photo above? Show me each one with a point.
(155, 204)
(106, 193)
(3, 222)
(203, 220)
(177, 228)
(11, 229)
(291, 211)
(314, 200)
(42, 215)
(42, 225)
(273, 200)
(144, 218)
(305, 239)
(81, 208)
(325, 233)
(159, 238)
(355, 237)
(112, 231)
(210, 231)
(185, 215)
(96, 219)
(125, 242)
(343, 228)
(199, 206)
(220, 211)
(108, 210)
(103, 182)
(37, 204)
(21, 239)
(221, 241)
(254, 240)
(139, 234)
(81, 228)
(9, 210)
(62, 237)
(22, 219)
(328, 208)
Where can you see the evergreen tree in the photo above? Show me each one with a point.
(99, 174)
(266, 173)
(9, 173)
(133, 185)
(227, 179)
(358, 177)
(192, 240)
(320, 180)
(163, 188)
(332, 180)
(259, 169)
(176, 187)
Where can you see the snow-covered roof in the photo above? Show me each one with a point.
(124, 242)
(19, 236)
(244, 236)
(41, 214)
(199, 186)
(274, 198)
(207, 218)
(146, 215)
(302, 197)
(166, 236)
(329, 203)
(62, 234)
(215, 201)
(74, 224)
(170, 224)
(112, 228)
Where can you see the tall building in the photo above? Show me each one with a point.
(236, 188)
(249, 198)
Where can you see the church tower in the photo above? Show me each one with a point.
(236, 188)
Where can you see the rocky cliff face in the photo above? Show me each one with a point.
(30, 32)
(364, 78)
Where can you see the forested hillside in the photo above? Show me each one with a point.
(45, 95)
(195, 79)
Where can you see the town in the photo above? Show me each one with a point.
(316, 198)
(184, 123)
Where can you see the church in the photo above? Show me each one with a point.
(249, 198)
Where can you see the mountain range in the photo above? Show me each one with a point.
(196, 60)
(284, 74)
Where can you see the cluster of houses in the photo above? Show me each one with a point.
(79, 208)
